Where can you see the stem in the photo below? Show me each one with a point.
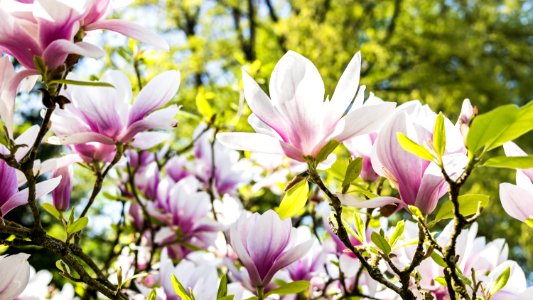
(340, 231)
(260, 290)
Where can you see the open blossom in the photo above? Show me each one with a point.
(185, 210)
(47, 29)
(15, 274)
(263, 244)
(202, 278)
(296, 120)
(419, 182)
(99, 117)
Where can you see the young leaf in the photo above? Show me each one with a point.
(326, 150)
(501, 281)
(529, 222)
(228, 297)
(438, 259)
(498, 126)
(179, 289)
(468, 205)
(441, 280)
(439, 136)
(352, 172)
(359, 227)
(416, 211)
(222, 287)
(510, 162)
(82, 83)
(51, 210)
(414, 148)
(78, 225)
(397, 234)
(294, 200)
(152, 295)
(381, 243)
(294, 287)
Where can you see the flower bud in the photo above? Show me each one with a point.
(61, 195)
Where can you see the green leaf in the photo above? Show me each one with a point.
(62, 266)
(498, 126)
(40, 66)
(352, 172)
(439, 136)
(510, 162)
(223, 287)
(78, 225)
(52, 210)
(152, 295)
(82, 83)
(468, 205)
(381, 243)
(294, 200)
(398, 232)
(228, 297)
(438, 259)
(414, 148)
(416, 211)
(179, 289)
(529, 222)
(294, 287)
(441, 280)
(326, 150)
(501, 281)
(359, 227)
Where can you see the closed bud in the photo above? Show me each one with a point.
(61, 195)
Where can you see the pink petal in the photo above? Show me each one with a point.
(154, 95)
(261, 105)
(131, 30)
(516, 201)
(56, 21)
(346, 87)
(56, 53)
(364, 120)
(81, 138)
(350, 200)
(17, 39)
(27, 138)
(161, 119)
(147, 140)
(242, 253)
(432, 188)
(287, 258)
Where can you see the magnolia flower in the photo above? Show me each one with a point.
(512, 149)
(47, 29)
(10, 196)
(419, 182)
(201, 279)
(307, 267)
(468, 112)
(100, 117)
(176, 168)
(184, 210)
(263, 244)
(296, 120)
(15, 274)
